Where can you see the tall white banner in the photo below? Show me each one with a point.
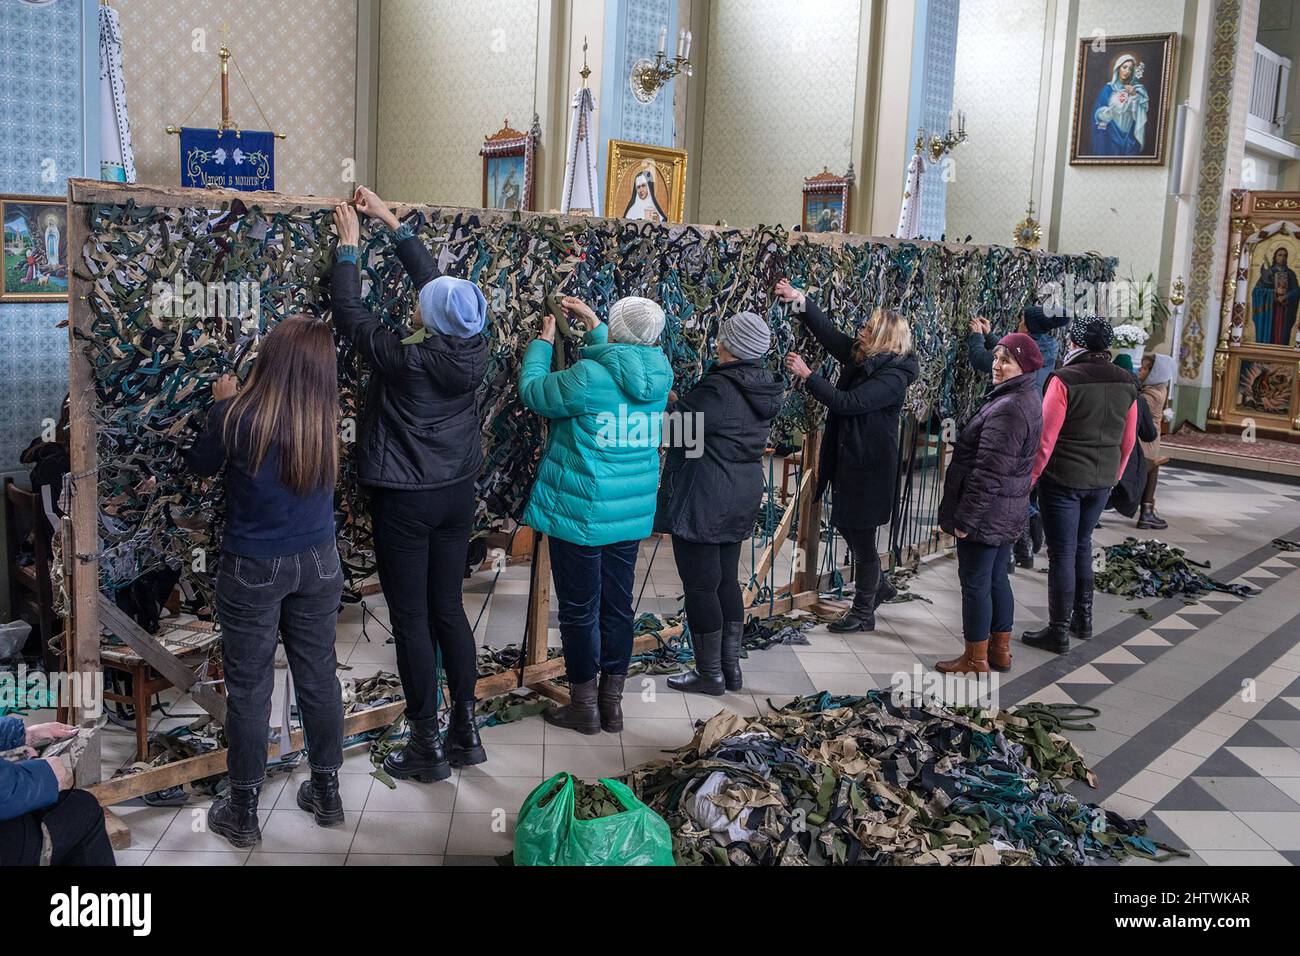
(581, 187)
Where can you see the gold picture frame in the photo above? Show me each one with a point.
(660, 169)
(1137, 135)
(28, 272)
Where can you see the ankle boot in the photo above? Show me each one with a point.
(974, 660)
(464, 748)
(706, 678)
(885, 593)
(1036, 532)
(1055, 638)
(860, 617)
(1081, 619)
(422, 758)
(581, 713)
(1000, 651)
(235, 817)
(1149, 520)
(733, 633)
(319, 796)
(609, 701)
(1023, 556)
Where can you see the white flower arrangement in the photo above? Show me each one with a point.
(1130, 336)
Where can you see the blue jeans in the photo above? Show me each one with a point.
(296, 597)
(593, 585)
(1069, 516)
(987, 604)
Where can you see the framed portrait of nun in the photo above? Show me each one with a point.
(1122, 89)
(645, 182)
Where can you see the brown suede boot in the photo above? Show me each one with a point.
(1000, 651)
(973, 661)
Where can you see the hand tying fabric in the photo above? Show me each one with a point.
(38, 735)
(576, 308)
(224, 388)
(345, 225)
(796, 366)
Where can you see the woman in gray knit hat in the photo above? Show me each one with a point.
(710, 494)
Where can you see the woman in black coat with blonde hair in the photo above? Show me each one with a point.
(859, 450)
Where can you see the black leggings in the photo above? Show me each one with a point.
(866, 564)
(77, 835)
(709, 574)
(421, 546)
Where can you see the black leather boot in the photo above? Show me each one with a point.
(1036, 532)
(319, 796)
(1149, 520)
(706, 678)
(1024, 557)
(1081, 618)
(464, 748)
(733, 634)
(1054, 638)
(609, 701)
(581, 713)
(235, 817)
(422, 758)
(885, 593)
(860, 617)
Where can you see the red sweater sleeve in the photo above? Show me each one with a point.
(1129, 440)
(1055, 401)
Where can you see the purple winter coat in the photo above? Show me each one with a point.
(986, 491)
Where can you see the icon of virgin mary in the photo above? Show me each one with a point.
(1274, 300)
(644, 204)
(1119, 111)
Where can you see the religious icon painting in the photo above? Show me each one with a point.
(826, 202)
(645, 182)
(1273, 293)
(35, 249)
(1122, 90)
(1265, 387)
(508, 169)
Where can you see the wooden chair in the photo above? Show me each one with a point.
(32, 594)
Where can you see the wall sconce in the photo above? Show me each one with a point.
(649, 76)
(941, 145)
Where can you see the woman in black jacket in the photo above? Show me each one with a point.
(859, 451)
(985, 502)
(419, 458)
(710, 494)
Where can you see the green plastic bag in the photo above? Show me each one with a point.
(550, 835)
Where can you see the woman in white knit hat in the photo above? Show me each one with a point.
(595, 490)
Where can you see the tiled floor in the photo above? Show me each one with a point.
(1199, 730)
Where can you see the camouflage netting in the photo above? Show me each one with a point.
(152, 373)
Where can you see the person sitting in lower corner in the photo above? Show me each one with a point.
(279, 573)
(1090, 418)
(985, 503)
(44, 821)
(708, 501)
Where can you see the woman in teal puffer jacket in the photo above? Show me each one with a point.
(595, 490)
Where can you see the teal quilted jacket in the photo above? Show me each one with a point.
(600, 472)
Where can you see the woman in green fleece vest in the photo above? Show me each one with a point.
(595, 490)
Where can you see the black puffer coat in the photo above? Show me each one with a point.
(419, 419)
(986, 491)
(713, 498)
(859, 453)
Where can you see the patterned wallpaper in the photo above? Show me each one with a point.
(1119, 209)
(779, 96)
(299, 58)
(449, 73)
(40, 119)
(999, 49)
(939, 70)
(639, 23)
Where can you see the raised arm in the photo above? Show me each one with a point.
(380, 348)
(835, 342)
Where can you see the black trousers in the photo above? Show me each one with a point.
(866, 563)
(709, 574)
(1069, 516)
(77, 835)
(421, 544)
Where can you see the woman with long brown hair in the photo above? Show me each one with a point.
(859, 449)
(279, 572)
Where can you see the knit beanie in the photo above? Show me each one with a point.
(1124, 361)
(1024, 349)
(455, 307)
(745, 335)
(635, 321)
(1094, 334)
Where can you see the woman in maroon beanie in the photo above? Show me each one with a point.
(986, 502)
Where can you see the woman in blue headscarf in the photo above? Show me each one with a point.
(1119, 111)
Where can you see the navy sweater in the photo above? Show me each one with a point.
(28, 784)
(264, 519)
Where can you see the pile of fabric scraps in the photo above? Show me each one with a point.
(759, 635)
(899, 578)
(591, 801)
(154, 356)
(1284, 544)
(1143, 569)
(832, 780)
